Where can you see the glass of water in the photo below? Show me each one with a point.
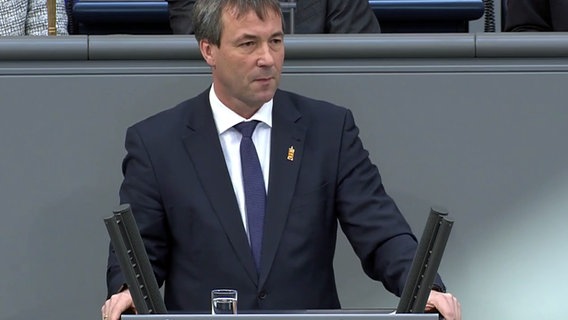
(223, 301)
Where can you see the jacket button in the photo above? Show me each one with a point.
(262, 295)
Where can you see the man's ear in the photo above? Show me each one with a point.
(207, 51)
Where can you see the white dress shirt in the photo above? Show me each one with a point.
(230, 138)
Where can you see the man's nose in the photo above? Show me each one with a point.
(265, 55)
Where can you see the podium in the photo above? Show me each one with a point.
(293, 315)
(147, 298)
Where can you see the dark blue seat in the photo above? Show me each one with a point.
(395, 16)
(121, 17)
(432, 16)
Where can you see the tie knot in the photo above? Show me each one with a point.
(246, 128)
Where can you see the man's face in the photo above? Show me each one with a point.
(247, 64)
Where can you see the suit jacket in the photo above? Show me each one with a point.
(178, 185)
(537, 15)
(29, 17)
(312, 16)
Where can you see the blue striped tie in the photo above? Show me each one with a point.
(255, 193)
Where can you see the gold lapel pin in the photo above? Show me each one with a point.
(291, 151)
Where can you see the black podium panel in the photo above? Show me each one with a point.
(298, 315)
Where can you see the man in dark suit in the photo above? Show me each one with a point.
(188, 177)
(311, 16)
(536, 15)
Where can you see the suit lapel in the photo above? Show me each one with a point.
(309, 15)
(204, 149)
(287, 146)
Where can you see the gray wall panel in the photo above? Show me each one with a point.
(44, 48)
(61, 140)
(124, 47)
(522, 44)
(483, 137)
(493, 155)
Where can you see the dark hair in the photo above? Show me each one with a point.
(206, 15)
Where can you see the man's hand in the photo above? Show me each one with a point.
(445, 303)
(117, 305)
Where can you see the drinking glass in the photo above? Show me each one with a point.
(223, 301)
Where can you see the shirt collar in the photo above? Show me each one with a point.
(226, 118)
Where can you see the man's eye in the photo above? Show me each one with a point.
(247, 44)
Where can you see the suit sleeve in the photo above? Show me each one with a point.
(372, 222)
(140, 189)
(354, 16)
(180, 16)
(528, 15)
